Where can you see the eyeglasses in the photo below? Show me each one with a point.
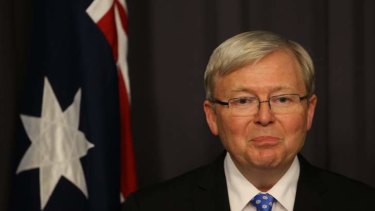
(248, 106)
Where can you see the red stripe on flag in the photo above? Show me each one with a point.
(128, 176)
(107, 24)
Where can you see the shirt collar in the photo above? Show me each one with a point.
(284, 191)
(241, 191)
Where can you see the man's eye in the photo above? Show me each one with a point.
(282, 100)
(243, 101)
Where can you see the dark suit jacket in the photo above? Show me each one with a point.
(205, 189)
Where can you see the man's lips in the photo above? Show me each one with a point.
(265, 140)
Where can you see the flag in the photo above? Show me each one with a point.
(74, 113)
(111, 18)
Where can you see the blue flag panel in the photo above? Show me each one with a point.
(68, 140)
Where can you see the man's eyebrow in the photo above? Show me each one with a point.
(242, 90)
(280, 88)
(249, 90)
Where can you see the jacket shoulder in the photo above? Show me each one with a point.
(176, 193)
(321, 187)
(330, 180)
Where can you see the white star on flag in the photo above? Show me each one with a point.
(57, 144)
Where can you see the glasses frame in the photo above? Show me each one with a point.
(217, 101)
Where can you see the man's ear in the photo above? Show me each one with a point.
(311, 110)
(211, 117)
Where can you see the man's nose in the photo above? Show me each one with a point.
(265, 115)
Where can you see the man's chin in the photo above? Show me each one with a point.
(266, 161)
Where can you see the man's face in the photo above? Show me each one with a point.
(264, 140)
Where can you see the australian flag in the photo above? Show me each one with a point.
(74, 135)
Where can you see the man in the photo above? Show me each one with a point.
(260, 101)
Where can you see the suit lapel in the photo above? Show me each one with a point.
(211, 192)
(310, 188)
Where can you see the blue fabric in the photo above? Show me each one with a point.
(263, 202)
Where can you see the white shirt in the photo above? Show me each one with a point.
(241, 191)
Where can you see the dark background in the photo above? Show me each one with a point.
(170, 42)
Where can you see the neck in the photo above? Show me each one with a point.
(263, 178)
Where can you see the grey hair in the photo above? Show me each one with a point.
(249, 47)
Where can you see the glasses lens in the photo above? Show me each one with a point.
(243, 106)
(285, 103)
(280, 104)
